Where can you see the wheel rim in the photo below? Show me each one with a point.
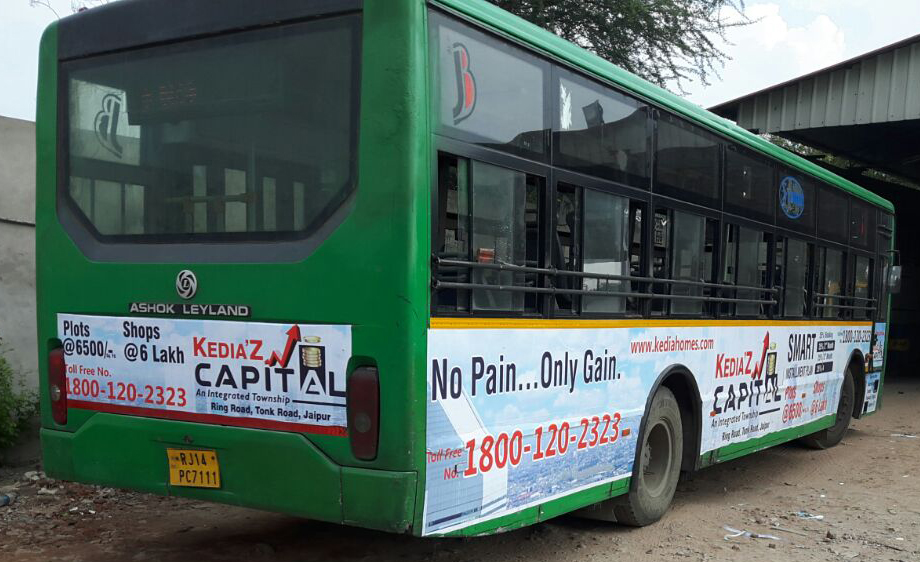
(657, 457)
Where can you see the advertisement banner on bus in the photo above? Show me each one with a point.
(289, 377)
(878, 347)
(517, 417)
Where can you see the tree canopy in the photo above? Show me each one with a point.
(665, 41)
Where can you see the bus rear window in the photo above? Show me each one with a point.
(244, 136)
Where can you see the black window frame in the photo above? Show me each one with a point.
(870, 226)
(774, 225)
(819, 282)
(674, 192)
(437, 17)
(660, 203)
(233, 247)
(861, 310)
(770, 237)
(728, 206)
(781, 274)
(449, 147)
(826, 226)
(559, 72)
(633, 196)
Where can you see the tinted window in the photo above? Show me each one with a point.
(565, 244)
(241, 136)
(861, 286)
(830, 283)
(749, 185)
(796, 278)
(491, 92)
(746, 255)
(601, 132)
(453, 238)
(688, 261)
(795, 199)
(687, 160)
(488, 215)
(499, 229)
(886, 221)
(832, 220)
(606, 249)
(862, 225)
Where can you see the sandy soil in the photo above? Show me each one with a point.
(867, 490)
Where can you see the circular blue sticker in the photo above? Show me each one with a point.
(791, 197)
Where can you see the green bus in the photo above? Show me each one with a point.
(423, 267)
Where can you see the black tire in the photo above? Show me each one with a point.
(657, 465)
(827, 438)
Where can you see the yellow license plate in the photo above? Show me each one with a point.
(194, 468)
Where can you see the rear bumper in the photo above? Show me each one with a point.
(268, 470)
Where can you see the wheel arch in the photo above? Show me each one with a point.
(858, 363)
(680, 381)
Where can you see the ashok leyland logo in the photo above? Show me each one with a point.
(106, 123)
(186, 284)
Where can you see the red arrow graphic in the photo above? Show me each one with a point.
(763, 357)
(293, 338)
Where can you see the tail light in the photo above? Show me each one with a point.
(57, 385)
(364, 412)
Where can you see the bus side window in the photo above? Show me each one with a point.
(499, 214)
(488, 215)
(566, 245)
(711, 263)
(452, 237)
(661, 235)
(793, 262)
(606, 249)
(730, 269)
(746, 265)
(829, 283)
(636, 256)
(862, 289)
(690, 261)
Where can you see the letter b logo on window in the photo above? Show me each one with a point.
(466, 84)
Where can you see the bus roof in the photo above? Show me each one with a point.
(554, 46)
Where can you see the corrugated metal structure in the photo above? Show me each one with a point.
(866, 108)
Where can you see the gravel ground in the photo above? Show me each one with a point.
(865, 491)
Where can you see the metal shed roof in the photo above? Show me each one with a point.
(866, 108)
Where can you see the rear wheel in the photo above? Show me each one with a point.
(658, 464)
(827, 438)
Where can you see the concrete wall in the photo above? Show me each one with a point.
(17, 247)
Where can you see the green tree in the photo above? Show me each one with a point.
(665, 41)
(17, 406)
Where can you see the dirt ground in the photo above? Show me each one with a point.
(867, 492)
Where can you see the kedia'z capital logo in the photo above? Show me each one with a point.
(314, 377)
(106, 123)
(746, 363)
(466, 84)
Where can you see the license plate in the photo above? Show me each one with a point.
(196, 468)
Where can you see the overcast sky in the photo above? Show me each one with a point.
(793, 37)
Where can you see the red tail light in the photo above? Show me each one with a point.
(57, 385)
(364, 412)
